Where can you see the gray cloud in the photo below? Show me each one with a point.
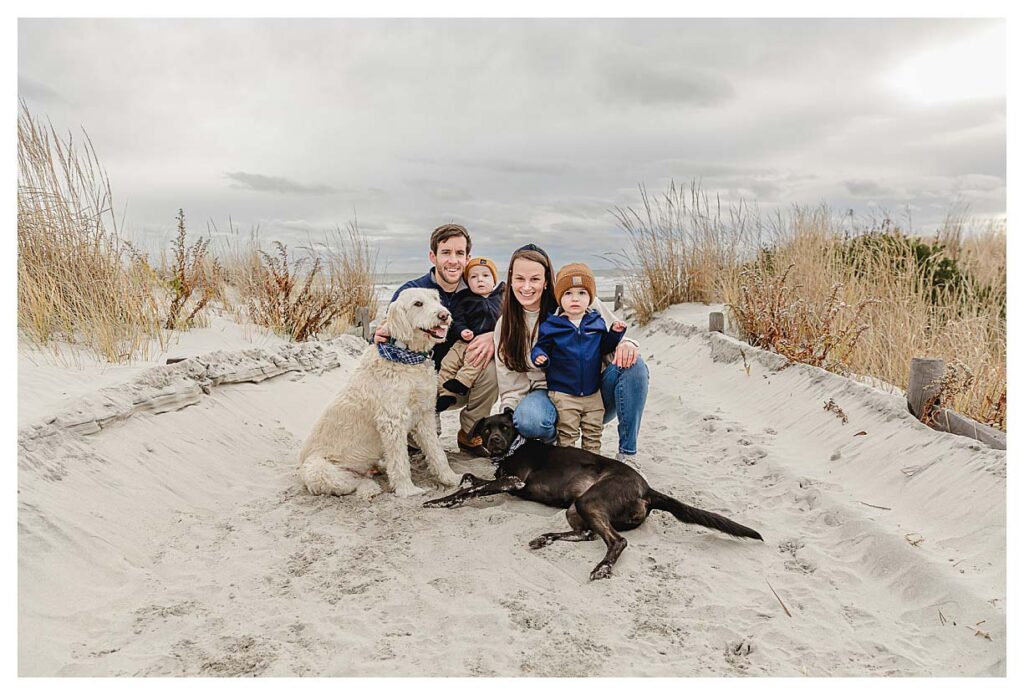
(524, 130)
(864, 188)
(274, 184)
(627, 84)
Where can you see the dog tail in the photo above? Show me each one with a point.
(692, 515)
(324, 478)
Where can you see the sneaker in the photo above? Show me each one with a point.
(472, 446)
(455, 386)
(629, 460)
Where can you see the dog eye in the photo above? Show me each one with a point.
(417, 304)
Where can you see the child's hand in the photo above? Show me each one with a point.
(467, 335)
(618, 326)
(540, 361)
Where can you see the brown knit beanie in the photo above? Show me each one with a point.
(575, 275)
(479, 261)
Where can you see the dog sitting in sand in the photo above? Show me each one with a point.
(391, 393)
(603, 496)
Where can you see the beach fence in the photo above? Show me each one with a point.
(922, 388)
(365, 325)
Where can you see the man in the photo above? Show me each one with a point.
(450, 248)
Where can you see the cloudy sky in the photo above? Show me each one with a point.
(523, 130)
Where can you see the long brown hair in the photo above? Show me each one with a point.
(514, 341)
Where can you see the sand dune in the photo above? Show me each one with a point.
(160, 539)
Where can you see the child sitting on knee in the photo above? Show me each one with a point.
(475, 311)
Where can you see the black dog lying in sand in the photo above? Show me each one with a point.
(603, 496)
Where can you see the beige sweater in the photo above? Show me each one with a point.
(513, 386)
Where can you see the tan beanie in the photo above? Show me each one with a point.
(477, 262)
(575, 275)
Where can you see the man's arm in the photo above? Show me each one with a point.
(480, 350)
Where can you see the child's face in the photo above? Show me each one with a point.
(575, 301)
(480, 280)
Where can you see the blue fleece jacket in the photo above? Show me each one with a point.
(448, 299)
(574, 354)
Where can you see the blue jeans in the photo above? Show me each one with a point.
(624, 392)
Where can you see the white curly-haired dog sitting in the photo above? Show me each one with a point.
(391, 392)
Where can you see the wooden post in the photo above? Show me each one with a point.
(618, 298)
(363, 320)
(716, 322)
(925, 374)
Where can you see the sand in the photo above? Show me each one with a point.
(163, 531)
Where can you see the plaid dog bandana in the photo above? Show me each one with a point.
(516, 443)
(394, 352)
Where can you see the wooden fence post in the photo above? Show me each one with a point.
(716, 322)
(923, 384)
(618, 297)
(363, 320)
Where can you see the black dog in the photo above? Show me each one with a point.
(603, 496)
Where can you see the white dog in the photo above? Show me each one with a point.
(387, 397)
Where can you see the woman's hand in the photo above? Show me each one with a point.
(539, 361)
(480, 351)
(625, 355)
(618, 326)
(467, 335)
(382, 334)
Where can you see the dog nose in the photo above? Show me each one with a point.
(443, 315)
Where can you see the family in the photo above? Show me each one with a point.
(541, 344)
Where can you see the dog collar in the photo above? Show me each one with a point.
(397, 351)
(516, 443)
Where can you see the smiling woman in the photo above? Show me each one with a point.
(972, 68)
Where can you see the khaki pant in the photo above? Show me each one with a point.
(480, 399)
(579, 415)
(455, 366)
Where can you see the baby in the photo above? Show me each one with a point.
(570, 346)
(475, 311)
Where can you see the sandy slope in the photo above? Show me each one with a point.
(182, 542)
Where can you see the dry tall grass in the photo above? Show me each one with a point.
(78, 281)
(798, 284)
(312, 295)
(680, 244)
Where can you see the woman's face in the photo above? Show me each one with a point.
(528, 283)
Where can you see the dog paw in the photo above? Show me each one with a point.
(602, 571)
(409, 491)
(450, 479)
(443, 502)
(540, 542)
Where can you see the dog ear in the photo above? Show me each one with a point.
(397, 322)
(475, 432)
(508, 411)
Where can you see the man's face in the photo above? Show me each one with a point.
(450, 259)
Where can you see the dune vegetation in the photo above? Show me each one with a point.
(805, 285)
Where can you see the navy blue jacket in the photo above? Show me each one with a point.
(475, 312)
(448, 300)
(574, 354)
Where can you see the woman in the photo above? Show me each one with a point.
(530, 297)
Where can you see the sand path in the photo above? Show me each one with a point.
(182, 543)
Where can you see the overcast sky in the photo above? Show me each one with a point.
(521, 130)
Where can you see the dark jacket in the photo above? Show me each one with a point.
(574, 354)
(448, 300)
(476, 312)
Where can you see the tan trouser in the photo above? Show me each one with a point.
(455, 366)
(579, 415)
(480, 399)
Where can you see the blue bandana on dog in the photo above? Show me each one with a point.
(516, 443)
(393, 351)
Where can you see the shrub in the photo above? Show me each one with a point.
(191, 272)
